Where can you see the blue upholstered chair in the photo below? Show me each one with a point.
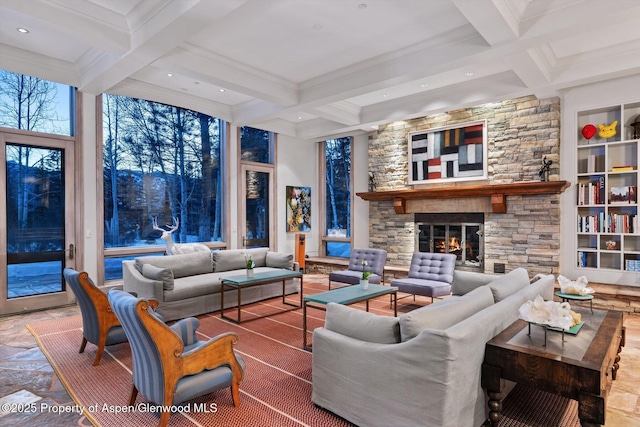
(375, 260)
(100, 326)
(430, 275)
(170, 365)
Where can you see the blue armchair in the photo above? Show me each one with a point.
(170, 365)
(100, 325)
(430, 275)
(375, 260)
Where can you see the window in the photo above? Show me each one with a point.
(256, 145)
(257, 210)
(160, 163)
(30, 103)
(338, 196)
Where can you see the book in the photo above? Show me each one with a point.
(622, 168)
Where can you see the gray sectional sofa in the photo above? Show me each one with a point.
(189, 284)
(424, 367)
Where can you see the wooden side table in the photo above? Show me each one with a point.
(580, 368)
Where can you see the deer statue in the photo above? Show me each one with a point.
(182, 248)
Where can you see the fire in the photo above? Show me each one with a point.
(454, 244)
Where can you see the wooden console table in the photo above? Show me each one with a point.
(581, 368)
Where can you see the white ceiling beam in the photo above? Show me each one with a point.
(342, 112)
(530, 66)
(137, 89)
(495, 25)
(32, 64)
(230, 75)
(165, 30)
(107, 32)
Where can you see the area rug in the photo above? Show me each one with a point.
(276, 390)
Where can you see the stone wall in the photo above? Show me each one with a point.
(520, 133)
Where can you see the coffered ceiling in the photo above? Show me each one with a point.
(320, 68)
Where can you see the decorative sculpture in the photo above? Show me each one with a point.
(607, 131)
(544, 169)
(551, 313)
(182, 248)
(577, 287)
(372, 182)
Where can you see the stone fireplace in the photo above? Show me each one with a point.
(460, 234)
(521, 228)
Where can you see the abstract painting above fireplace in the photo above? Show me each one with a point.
(452, 153)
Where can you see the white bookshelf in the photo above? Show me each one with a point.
(607, 221)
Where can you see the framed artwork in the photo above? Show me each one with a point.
(298, 208)
(451, 153)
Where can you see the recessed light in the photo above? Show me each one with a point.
(221, 90)
(22, 30)
(299, 117)
(424, 85)
(385, 95)
(196, 83)
(469, 73)
(169, 75)
(362, 6)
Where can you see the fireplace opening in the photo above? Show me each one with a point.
(460, 234)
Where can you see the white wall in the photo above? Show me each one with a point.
(297, 166)
(360, 171)
(90, 240)
(605, 94)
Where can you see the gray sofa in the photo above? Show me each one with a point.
(424, 367)
(189, 284)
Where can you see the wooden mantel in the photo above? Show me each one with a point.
(497, 192)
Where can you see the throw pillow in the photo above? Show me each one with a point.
(466, 281)
(279, 260)
(362, 325)
(508, 284)
(181, 265)
(442, 316)
(164, 275)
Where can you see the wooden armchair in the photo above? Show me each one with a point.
(100, 326)
(170, 365)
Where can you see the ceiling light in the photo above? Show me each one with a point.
(424, 85)
(22, 30)
(469, 73)
(196, 83)
(362, 6)
(385, 95)
(222, 90)
(299, 117)
(169, 75)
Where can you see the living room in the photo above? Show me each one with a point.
(531, 70)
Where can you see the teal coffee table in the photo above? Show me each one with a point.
(346, 295)
(242, 282)
(575, 297)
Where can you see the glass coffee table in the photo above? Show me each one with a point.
(241, 282)
(346, 295)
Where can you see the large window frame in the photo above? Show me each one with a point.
(246, 166)
(326, 239)
(159, 249)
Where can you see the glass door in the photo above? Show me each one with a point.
(36, 213)
(257, 210)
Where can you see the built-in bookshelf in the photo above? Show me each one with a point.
(608, 228)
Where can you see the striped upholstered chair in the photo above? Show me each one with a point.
(100, 326)
(170, 365)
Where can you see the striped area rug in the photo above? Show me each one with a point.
(276, 390)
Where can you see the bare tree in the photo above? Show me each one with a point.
(25, 103)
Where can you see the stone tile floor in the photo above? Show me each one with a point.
(26, 376)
